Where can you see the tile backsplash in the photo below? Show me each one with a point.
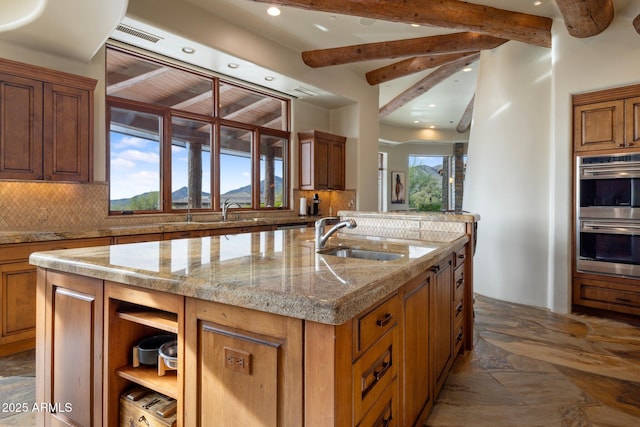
(36, 206)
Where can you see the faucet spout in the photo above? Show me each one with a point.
(225, 207)
(321, 239)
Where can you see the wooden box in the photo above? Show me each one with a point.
(147, 410)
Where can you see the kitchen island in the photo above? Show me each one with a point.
(269, 331)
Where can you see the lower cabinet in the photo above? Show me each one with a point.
(416, 376)
(18, 291)
(441, 323)
(245, 367)
(69, 353)
(241, 367)
(604, 293)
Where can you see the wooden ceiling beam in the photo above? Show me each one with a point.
(424, 85)
(411, 66)
(443, 44)
(453, 14)
(586, 18)
(465, 121)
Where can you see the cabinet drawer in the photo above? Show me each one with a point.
(458, 338)
(459, 256)
(384, 412)
(374, 371)
(458, 280)
(373, 324)
(619, 297)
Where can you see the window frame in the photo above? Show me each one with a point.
(167, 114)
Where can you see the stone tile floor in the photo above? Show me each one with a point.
(529, 368)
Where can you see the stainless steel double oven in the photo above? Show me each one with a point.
(608, 215)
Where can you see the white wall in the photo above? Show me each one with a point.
(519, 170)
(507, 179)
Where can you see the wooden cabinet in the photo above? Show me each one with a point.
(611, 294)
(416, 375)
(607, 120)
(599, 126)
(322, 161)
(459, 301)
(69, 350)
(441, 323)
(18, 289)
(132, 314)
(46, 125)
(245, 367)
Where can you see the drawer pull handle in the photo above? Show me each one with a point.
(459, 282)
(386, 422)
(435, 268)
(623, 299)
(384, 321)
(459, 337)
(377, 376)
(459, 308)
(460, 256)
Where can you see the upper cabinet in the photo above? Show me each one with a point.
(46, 124)
(322, 161)
(607, 120)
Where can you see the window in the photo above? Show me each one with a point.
(432, 182)
(180, 140)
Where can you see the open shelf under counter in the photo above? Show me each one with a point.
(147, 376)
(163, 320)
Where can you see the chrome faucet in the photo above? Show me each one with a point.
(225, 206)
(322, 240)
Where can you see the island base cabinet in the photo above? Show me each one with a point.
(69, 349)
(244, 367)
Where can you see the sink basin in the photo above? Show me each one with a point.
(361, 254)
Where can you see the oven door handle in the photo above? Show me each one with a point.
(627, 171)
(609, 227)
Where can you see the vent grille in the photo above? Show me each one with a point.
(137, 33)
(306, 91)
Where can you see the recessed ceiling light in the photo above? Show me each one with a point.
(321, 27)
(416, 121)
(432, 105)
(232, 65)
(269, 78)
(188, 50)
(273, 11)
(415, 25)
(432, 127)
(467, 69)
(538, 2)
(366, 21)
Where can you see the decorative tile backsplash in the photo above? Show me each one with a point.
(51, 205)
(36, 206)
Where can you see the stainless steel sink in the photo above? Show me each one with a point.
(361, 254)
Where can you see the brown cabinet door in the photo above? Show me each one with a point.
(244, 367)
(66, 133)
(70, 349)
(321, 167)
(337, 166)
(17, 303)
(415, 369)
(20, 128)
(442, 323)
(598, 126)
(632, 122)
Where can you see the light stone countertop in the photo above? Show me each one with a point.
(273, 271)
(31, 236)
